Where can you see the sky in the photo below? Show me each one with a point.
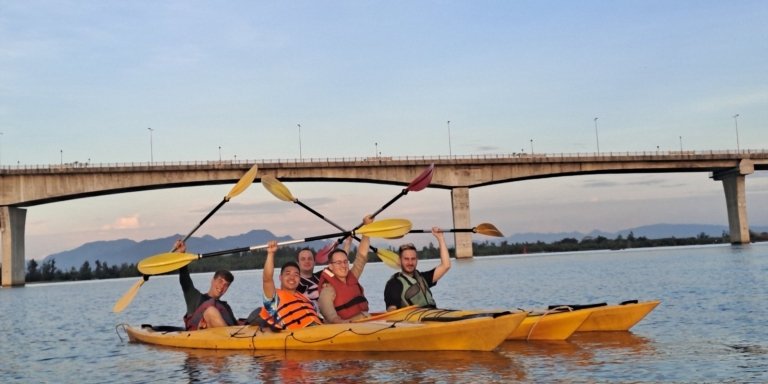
(85, 80)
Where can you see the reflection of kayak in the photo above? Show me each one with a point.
(475, 334)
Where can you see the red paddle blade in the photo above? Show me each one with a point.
(422, 181)
(321, 257)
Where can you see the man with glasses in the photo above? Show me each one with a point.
(411, 287)
(342, 299)
(308, 285)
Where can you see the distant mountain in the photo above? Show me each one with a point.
(116, 252)
(655, 231)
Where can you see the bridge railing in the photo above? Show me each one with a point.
(521, 156)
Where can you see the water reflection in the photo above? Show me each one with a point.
(348, 367)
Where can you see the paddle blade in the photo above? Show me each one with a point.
(386, 228)
(275, 187)
(422, 181)
(321, 257)
(389, 258)
(243, 183)
(127, 297)
(488, 229)
(165, 262)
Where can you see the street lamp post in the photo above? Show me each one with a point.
(376, 149)
(151, 150)
(450, 152)
(219, 153)
(299, 125)
(531, 147)
(681, 144)
(597, 138)
(736, 124)
(61, 156)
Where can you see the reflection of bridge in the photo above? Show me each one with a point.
(25, 186)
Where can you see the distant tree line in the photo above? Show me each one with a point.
(47, 271)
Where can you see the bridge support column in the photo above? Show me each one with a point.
(460, 204)
(736, 200)
(12, 222)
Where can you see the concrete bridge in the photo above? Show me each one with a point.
(25, 186)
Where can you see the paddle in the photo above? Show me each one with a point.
(420, 182)
(487, 229)
(280, 191)
(167, 262)
(245, 181)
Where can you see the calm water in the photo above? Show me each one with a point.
(710, 327)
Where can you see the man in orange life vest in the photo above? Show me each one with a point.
(206, 310)
(285, 308)
(341, 296)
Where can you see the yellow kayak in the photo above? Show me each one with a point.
(552, 325)
(473, 334)
(620, 317)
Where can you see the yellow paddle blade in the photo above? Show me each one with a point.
(243, 183)
(385, 228)
(127, 297)
(389, 258)
(488, 229)
(165, 262)
(275, 187)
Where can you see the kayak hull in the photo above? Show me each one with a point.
(477, 334)
(549, 326)
(620, 317)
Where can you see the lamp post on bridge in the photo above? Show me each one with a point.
(151, 150)
(531, 147)
(681, 143)
(450, 152)
(299, 125)
(219, 153)
(736, 125)
(61, 156)
(597, 138)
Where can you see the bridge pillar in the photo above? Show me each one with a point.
(736, 200)
(12, 228)
(460, 203)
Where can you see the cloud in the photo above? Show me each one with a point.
(126, 222)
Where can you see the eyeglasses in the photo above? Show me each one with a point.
(340, 262)
(405, 247)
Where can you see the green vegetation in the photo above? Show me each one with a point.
(255, 260)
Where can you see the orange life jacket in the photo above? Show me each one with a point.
(295, 311)
(350, 299)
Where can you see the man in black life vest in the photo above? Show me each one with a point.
(411, 287)
(206, 310)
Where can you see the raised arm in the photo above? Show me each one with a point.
(445, 258)
(362, 251)
(268, 282)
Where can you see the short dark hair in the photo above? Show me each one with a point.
(224, 274)
(289, 264)
(405, 247)
(312, 251)
(338, 250)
